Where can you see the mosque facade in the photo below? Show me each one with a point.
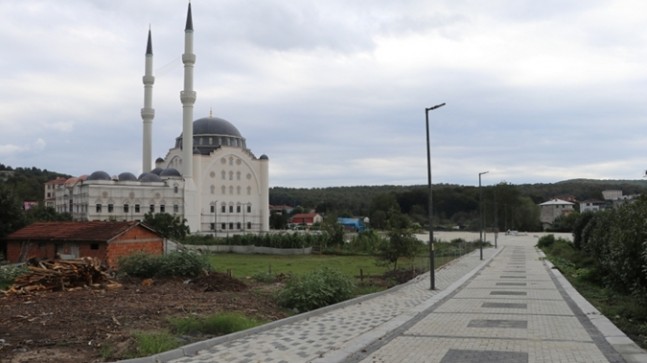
(209, 177)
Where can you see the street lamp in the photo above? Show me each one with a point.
(432, 272)
(481, 213)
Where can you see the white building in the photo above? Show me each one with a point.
(209, 177)
(552, 209)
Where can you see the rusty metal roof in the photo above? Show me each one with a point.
(99, 231)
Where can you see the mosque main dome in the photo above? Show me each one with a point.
(209, 133)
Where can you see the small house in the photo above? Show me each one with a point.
(306, 219)
(107, 241)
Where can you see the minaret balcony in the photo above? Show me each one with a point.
(187, 96)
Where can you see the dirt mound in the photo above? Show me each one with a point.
(217, 281)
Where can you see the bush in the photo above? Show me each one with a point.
(316, 289)
(183, 265)
(546, 241)
(176, 264)
(9, 273)
(139, 264)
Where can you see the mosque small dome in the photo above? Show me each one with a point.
(126, 176)
(149, 178)
(159, 160)
(99, 175)
(157, 171)
(170, 172)
(264, 157)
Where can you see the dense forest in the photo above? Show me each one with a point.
(27, 183)
(505, 206)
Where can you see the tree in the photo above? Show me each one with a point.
(565, 223)
(41, 213)
(167, 225)
(278, 221)
(383, 207)
(12, 217)
(401, 243)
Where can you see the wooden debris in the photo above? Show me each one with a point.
(63, 275)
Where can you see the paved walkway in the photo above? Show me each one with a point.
(511, 307)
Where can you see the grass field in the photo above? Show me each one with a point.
(242, 266)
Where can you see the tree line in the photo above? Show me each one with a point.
(505, 206)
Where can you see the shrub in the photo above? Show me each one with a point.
(183, 265)
(139, 264)
(176, 264)
(546, 241)
(9, 273)
(314, 290)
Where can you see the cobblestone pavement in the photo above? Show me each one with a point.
(507, 308)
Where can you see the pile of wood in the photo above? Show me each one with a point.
(63, 275)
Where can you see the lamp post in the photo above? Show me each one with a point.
(481, 213)
(432, 272)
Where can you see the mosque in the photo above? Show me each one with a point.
(209, 177)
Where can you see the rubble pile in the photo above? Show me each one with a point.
(63, 275)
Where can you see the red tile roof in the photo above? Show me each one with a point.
(72, 231)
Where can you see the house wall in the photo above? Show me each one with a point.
(49, 250)
(135, 240)
(30, 249)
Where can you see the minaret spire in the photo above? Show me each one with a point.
(188, 96)
(148, 113)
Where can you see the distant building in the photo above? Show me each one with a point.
(616, 197)
(552, 209)
(353, 224)
(611, 194)
(593, 205)
(305, 219)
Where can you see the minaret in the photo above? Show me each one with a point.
(187, 96)
(148, 113)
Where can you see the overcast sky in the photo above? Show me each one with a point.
(334, 92)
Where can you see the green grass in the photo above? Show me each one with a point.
(243, 266)
(216, 324)
(149, 343)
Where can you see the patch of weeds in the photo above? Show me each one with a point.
(149, 343)
(216, 324)
(264, 277)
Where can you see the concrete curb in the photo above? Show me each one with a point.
(627, 348)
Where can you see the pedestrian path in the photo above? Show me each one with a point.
(509, 307)
(514, 310)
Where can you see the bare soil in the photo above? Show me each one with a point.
(97, 325)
